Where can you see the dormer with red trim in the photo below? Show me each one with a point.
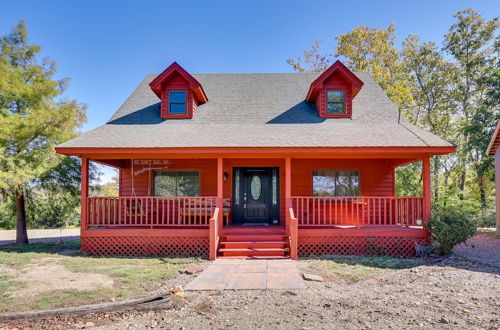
(180, 93)
(334, 90)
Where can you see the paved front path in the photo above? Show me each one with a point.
(248, 274)
(42, 235)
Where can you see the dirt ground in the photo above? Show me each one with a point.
(455, 293)
(49, 274)
(483, 247)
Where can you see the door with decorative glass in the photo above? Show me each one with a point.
(255, 192)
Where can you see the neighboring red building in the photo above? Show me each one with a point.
(494, 150)
(256, 165)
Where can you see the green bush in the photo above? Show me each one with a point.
(487, 219)
(450, 227)
(7, 215)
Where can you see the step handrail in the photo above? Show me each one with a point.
(214, 234)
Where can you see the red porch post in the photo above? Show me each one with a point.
(220, 191)
(84, 193)
(426, 188)
(291, 221)
(288, 189)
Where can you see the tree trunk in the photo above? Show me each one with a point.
(461, 184)
(446, 188)
(435, 178)
(482, 193)
(21, 232)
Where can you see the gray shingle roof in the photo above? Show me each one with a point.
(257, 110)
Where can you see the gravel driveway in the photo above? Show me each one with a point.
(481, 248)
(453, 294)
(42, 236)
(456, 293)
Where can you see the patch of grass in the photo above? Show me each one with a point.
(56, 299)
(357, 268)
(132, 276)
(17, 255)
(493, 233)
(7, 283)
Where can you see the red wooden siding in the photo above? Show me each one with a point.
(337, 76)
(177, 83)
(377, 176)
(376, 179)
(335, 82)
(143, 181)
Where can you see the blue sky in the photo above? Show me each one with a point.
(107, 47)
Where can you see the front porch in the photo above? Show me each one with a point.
(289, 220)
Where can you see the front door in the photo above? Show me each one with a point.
(257, 189)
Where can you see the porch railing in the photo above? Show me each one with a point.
(151, 211)
(293, 233)
(214, 234)
(358, 211)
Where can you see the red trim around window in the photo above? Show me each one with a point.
(336, 77)
(175, 78)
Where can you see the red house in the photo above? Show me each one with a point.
(279, 164)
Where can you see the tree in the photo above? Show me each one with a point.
(453, 92)
(372, 50)
(469, 42)
(364, 49)
(34, 117)
(431, 83)
(111, 188)
(315, 62)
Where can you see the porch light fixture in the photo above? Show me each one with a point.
(225, 176)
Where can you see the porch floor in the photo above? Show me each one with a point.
(248, 274)
(260, 228)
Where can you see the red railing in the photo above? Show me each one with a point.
(150, 211)
(214, 234)
(293, 233)
(358, 211)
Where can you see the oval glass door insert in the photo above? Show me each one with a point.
(255, 187)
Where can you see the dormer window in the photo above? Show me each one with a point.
(177, 102)
(179, 92)
(335, 101)
(333, 91)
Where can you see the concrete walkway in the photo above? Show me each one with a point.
(248, 274)
(42, 236)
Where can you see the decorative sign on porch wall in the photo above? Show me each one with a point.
(149, 164)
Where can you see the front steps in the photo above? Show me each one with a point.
(254, 242)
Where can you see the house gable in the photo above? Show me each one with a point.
(176, 87)
(341, 83)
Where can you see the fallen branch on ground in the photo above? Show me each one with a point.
(151, 303)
